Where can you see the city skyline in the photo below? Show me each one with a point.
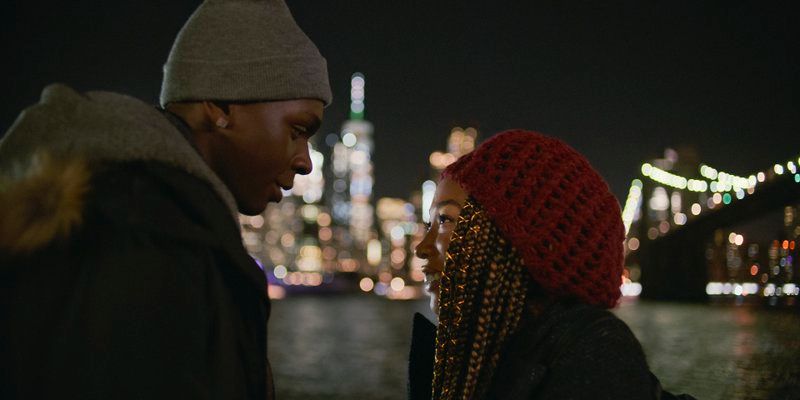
(662, 203)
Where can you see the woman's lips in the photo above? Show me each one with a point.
(432, 283)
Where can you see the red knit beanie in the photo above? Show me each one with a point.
(554, 208)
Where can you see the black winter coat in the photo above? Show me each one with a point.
(568, 352)
(152, 296)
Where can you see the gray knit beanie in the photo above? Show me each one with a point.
(243, 50)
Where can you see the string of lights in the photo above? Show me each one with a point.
(721, 185)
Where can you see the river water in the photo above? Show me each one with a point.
(356, 347)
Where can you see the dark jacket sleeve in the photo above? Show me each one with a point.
(605, 361)
(120, 311)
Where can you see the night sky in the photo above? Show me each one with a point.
(618, 82)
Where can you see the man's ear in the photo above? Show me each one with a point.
(215, 114)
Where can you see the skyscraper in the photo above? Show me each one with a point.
(351, 195)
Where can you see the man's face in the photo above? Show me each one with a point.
(262, 148)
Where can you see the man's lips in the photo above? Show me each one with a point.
(277, 194)
(282, 187)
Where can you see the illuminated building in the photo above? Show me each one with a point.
(351, 184)
(396, 269)
(459, 142)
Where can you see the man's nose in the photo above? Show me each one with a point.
(301, 163)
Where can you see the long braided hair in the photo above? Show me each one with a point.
(482, 298)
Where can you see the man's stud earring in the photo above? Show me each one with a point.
(222, 122)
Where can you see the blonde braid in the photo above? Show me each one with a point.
(482, 297)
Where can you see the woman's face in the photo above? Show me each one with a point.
(446, 206)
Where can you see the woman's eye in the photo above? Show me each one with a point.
(443, 219)
(427, 225)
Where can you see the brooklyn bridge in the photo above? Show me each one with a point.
(695, 233)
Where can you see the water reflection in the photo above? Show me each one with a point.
(348, 347)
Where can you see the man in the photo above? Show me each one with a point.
(122, 272)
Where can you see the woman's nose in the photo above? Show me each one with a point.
(420, 251)
(425, 248)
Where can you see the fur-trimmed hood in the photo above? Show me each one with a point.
(44, 159)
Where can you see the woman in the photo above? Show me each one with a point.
(523, 256)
